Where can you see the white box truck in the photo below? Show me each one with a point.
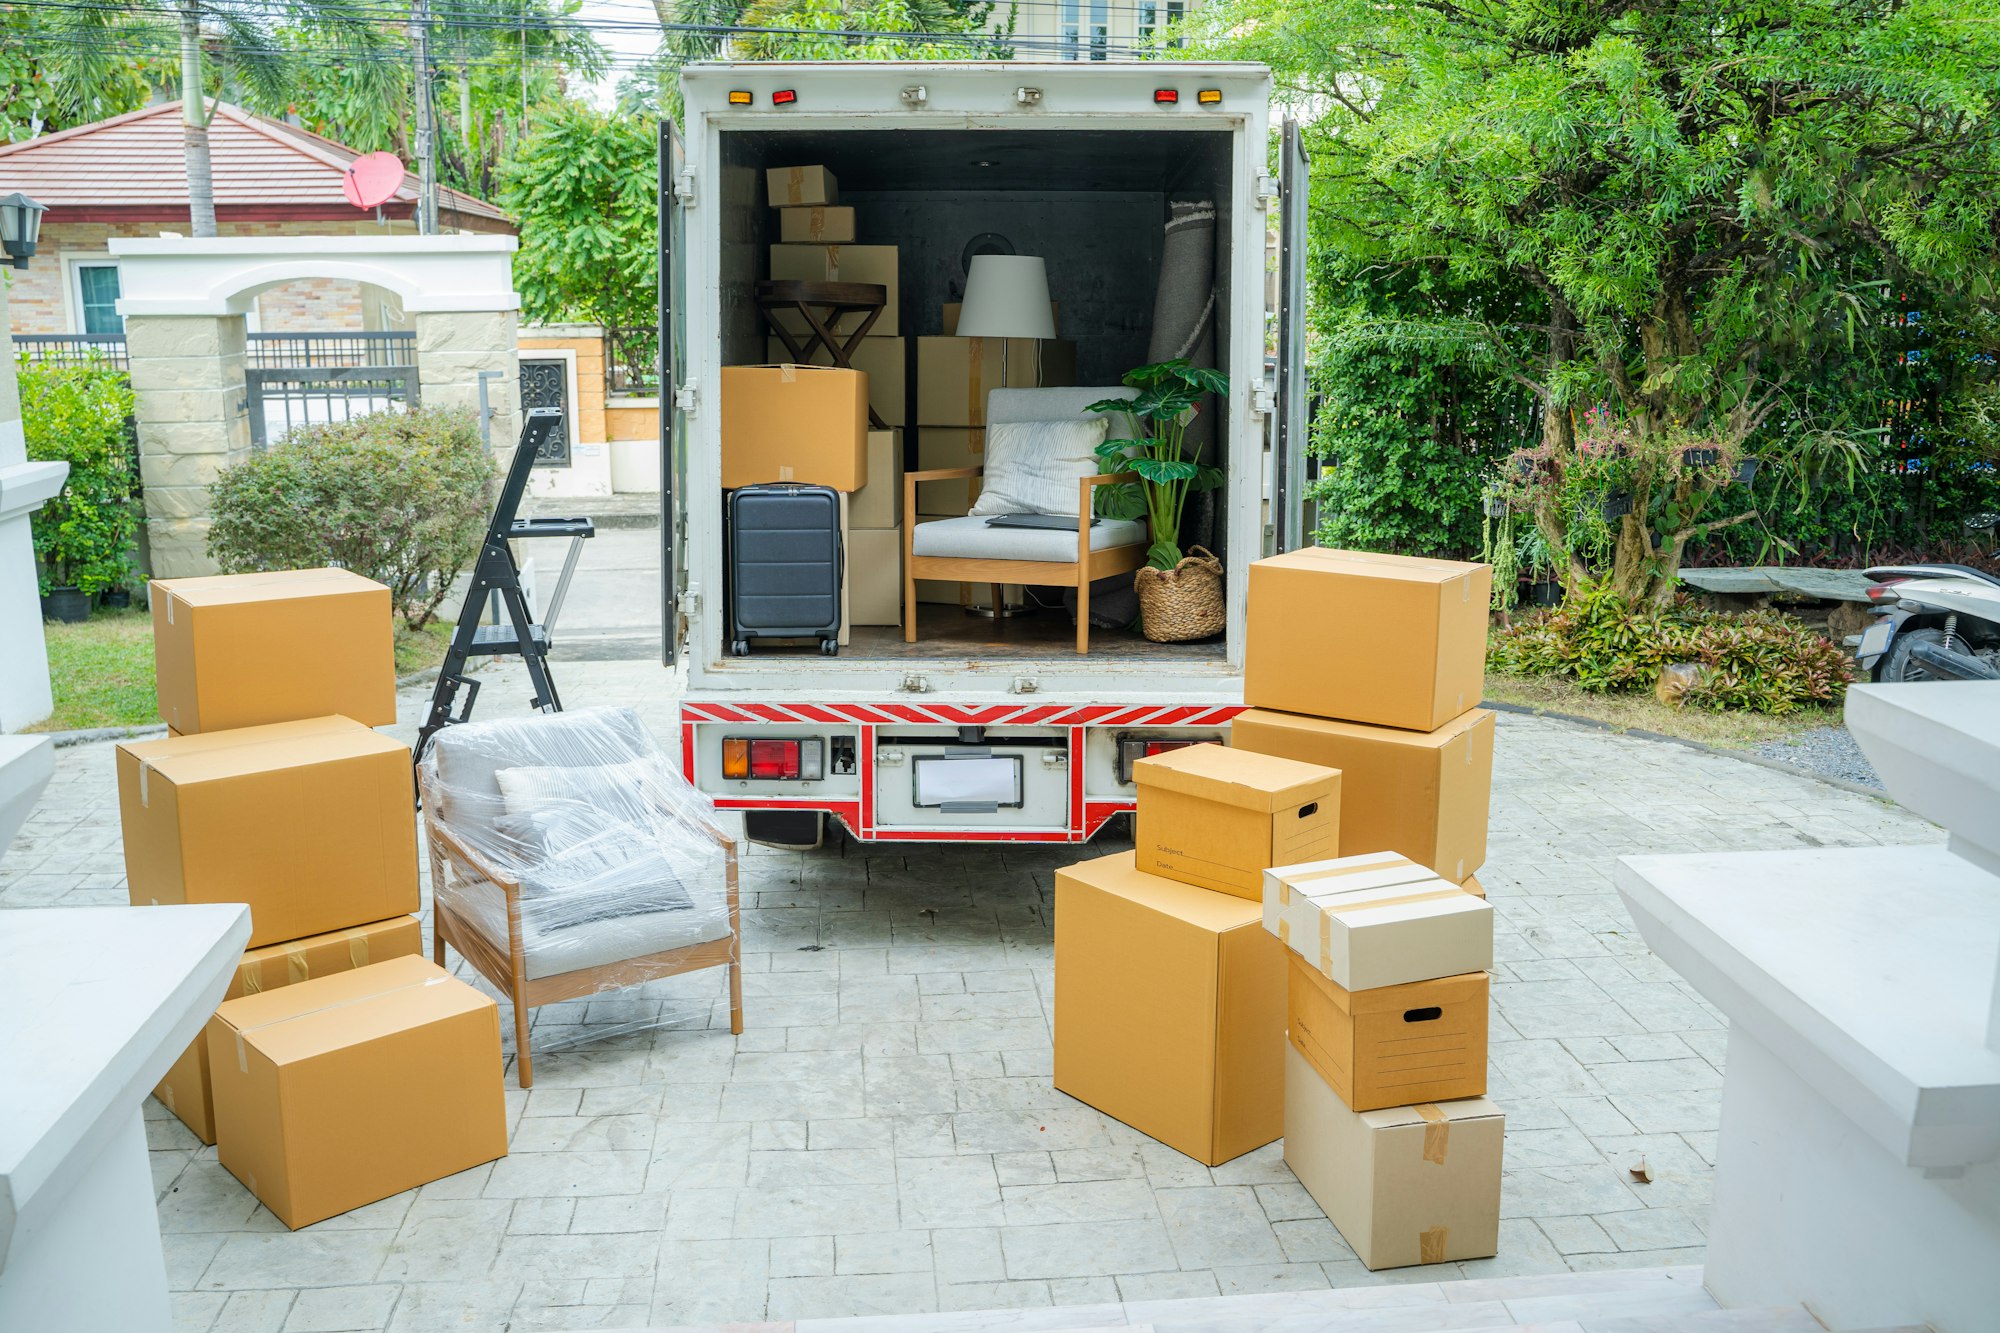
(985, 728)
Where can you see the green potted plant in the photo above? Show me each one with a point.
(1180, 593)
(84, 536)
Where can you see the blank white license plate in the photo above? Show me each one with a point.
(1875, 639)
(994, 780)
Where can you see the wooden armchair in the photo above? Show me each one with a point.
(544, 943)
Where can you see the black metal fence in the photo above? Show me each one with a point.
(298, 379)
(72, 349)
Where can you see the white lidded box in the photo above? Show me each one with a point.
(1377, 920)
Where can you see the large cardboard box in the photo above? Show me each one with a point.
(804, 424)
(1424, 1041)
(875, 576)
(310, 823)
(942, 447)
(789, 187)
(1406, 1184)
(877, 264)
(879, 504)
(955, 374)
(881, 359)
(1363, 924)
(1169, 1008)
(346, 1089)
(1217, 817)
(1391, 640)
(816, 225)
(1420, 794)
(240, 650)
(185, 1090)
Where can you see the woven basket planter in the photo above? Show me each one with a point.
(1182, 603)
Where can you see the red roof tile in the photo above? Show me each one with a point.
(134, 164)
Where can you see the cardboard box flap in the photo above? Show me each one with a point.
(346, 1009)
(232, 589)
(1346, 874)
(1389, 999)
(1437, 739)
(1120, 875)
(1375, 565)
(1432, 897)
(221, 755)
(1430, 1113)
(1242, 778)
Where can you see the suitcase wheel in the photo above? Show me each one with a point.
(829, 647)
(741, 648)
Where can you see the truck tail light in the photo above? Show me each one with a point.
(774, 760)
(1131, 749)
(784, 97)
(1166, 96)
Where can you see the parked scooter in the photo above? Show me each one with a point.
(1933, 622)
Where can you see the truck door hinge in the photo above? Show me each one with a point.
(687, 398)
(914, 684)
(1264, 399)
(1025, 685)
(1267, 191)
(684, 187)
(688, 603)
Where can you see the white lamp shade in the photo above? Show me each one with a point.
(1006, 296)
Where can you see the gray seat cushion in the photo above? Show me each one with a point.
(970, 538)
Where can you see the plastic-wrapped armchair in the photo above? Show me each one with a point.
(568, 858)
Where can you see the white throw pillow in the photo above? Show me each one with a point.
(1032, 467)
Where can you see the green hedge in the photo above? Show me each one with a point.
(82, 415)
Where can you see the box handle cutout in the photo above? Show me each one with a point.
(1428, 1014)
(1309, 809)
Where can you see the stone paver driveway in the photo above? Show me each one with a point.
(884, 1136)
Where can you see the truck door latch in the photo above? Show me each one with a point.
(684, 187)
(1264, 399)
(687, 398)
(1025, 685)
(1267, 191)
(688, 603)
(914, 684)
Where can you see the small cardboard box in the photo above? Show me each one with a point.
(881, 359)
(185, 1090)
(310, 823)
(1169, 1009)
(817, 224)
(346, 1089)
(790, 187)
(955, 374)
(1364, 924)
(1391, 640)
(1406, 1184)
(877, 264)
(1420, 794)
(1424, 1041)
(948, 446)
(875, 576)
(241, 650)
(1217, 817)
(803, 424)
(879, 504)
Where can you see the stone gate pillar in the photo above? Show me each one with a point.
(187, 378)
(453, 348)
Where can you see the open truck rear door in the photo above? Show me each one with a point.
(676, 396)
(1290, 527)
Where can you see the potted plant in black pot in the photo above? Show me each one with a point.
(1180, 593)
(84, 535)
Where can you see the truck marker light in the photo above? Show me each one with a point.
(1166, 96)
(739, 97)
(1209, 97)
(735, 758)
(784, 97)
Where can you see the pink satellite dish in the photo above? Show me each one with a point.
(371, 179)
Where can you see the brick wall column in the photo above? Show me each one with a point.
(187, 375)
(452, 348)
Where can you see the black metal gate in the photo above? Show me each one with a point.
(545, 383)
(297, 379)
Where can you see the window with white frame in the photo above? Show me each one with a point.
(1072, 24)
(1100, 30)
(97, 299)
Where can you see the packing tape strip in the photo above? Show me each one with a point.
(788, 373)
(144, 802)
(297, 966)
(975, 381)
(1367, 904)
(795, 184)
(250, 976)
(833, 263)
(165, 1092)
(1437, 1134)
(357, 947)
(1431, 1244)
(1335, 872)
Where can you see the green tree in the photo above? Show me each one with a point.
(1671, 208)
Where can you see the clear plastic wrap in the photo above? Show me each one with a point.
(569, 857)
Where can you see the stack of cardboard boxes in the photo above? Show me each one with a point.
(341, 1067)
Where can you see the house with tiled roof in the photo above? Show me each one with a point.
(127, 176)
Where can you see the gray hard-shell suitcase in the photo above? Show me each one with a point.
(784, 565)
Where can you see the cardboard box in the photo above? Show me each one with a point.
(1473, 886)
(1405, 1185)
(1424, 1041)
(1169, 1009)
(1216, 817)
(948, 446)
(1424, 795)
(185, 1090)
(789, 187)
(950, 309)
(879, 504)
(816, 225)
(878, 264)
(875, 576)
(1363, 924)
(936, 592)
(881, 359)
(346, 1089)
(310, 823)
(241, 650)
(1385, 639)
(955, 374)
(804, 424)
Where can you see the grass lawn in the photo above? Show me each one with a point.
(102, 670)
(1642, 712)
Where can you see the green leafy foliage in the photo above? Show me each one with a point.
(1763, 663)
(399, 497)
(1169, 395)
(82, 415)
